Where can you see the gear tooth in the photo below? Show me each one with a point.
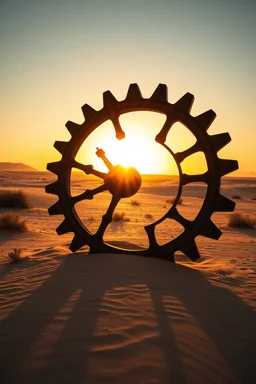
(205, 119)
(76, 244)
(185, 102)
(64, 227)
(52, 188)
(191, 250)
(55, 209)
(210, 230)
(72, 127)
(109, 99)
(161, 93)
(60, 146)
(223, 204)
(88, 111)
(134, 92)
(227, 166)
(219, 141)
(54, 167)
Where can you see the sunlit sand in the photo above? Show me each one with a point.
(126, 319)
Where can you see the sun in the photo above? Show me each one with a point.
(134, 151)
(138, 149)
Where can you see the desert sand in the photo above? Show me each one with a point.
(79, 318)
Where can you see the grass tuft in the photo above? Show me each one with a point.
(236, 197)
(14, 199)
(172, 200)
(12, 222)
(135, 202)
(237, 220)
(15, 255)
(120, 217)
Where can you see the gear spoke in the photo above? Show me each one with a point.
(187, 179)
(107, 218)
(180, 156)
(172, 214)
(110, 103)
(89, 170)
(150, 231)
(100, 153)
(175, 215)
(161, 136)
(89, 193)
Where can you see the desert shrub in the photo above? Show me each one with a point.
(148, 216)
(237, 220)
(91, 218)
(120, 217)
(13, 222)
(236, 197)
(13, 199)
(254, 197)
(15, 255)
(172, 200)
(135, 202)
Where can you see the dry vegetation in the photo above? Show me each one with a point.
(148, 216)
(236, 197)
(12, 222)
(254, 197)
(172, 200)
(237, 220)
(120, 217)
(13, 199)
(15, 255)
(135, 202)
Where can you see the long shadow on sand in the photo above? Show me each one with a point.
(81, 280)
(6, 235)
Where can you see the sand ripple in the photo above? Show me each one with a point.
(117, 319)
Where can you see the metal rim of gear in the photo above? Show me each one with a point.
(177, 112)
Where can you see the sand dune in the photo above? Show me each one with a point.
(16, 167)
(126, 319)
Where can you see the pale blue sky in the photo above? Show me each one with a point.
(58, 55)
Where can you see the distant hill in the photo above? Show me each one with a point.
(16, 167)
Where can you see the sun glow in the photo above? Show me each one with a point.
(138, 149)
(135, 152)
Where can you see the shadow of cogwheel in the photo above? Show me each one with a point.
(125, 182)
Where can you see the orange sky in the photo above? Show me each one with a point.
(57, 57)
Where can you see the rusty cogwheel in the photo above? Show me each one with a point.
(121, 182)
